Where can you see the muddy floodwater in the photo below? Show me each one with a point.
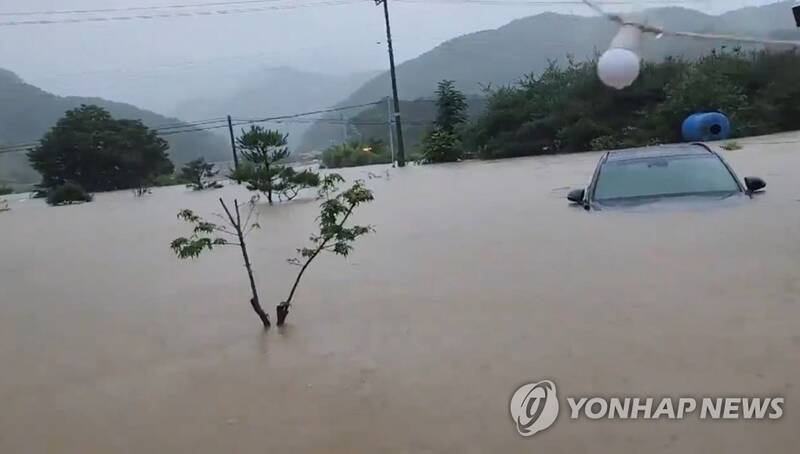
(480, 278)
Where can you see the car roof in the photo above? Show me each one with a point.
(661, 151)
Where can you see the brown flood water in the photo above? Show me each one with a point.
(480, 278)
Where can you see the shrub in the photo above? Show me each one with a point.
(567, 109)
(5, 190)
(354, 154)
(68, 194)
(441, 146)
(200, 175)
(731, 146)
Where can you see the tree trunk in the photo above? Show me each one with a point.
(254, 301)
(283, 308)
(283, 312)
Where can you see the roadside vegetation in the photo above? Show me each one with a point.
(443, 142)
(568, 109)
(356, 153)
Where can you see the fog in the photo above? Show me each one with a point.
(159, 63)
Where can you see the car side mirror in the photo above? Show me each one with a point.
(576, 195)
(754, 184)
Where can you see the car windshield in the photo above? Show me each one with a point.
(664, 176)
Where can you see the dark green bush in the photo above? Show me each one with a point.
(68, 194)
(5, 190)
(567, 109)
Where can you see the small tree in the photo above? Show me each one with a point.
(262, 150)
(205, 236)
(199, 175)
(451, 107)
(443, 144)
(333, 234)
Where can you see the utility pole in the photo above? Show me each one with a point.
(233, 144)
(344, 128)
(401, 149)
(796, 11)
(389, 124)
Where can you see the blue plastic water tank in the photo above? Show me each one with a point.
(704, 127)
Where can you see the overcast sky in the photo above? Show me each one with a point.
(115, 57)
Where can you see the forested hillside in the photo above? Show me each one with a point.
(527, 46)
(27, 112)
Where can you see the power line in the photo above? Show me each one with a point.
(133, 8)
(555, 2)
(224, 12)
(207, 125)
(645, 28)
(305, 114)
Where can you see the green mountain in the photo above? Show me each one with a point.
(524, 46)
(27, 112)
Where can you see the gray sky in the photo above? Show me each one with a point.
(116, 59)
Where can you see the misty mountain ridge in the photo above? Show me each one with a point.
(504, 55)
(27, 112)
(276, 91)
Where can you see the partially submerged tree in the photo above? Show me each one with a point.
(206, 235)
(200, 175)
(68, 193)
(334, 235)
(262, 152)
(442, 143)
(451, 106)
(91, 148)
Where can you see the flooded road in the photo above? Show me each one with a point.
(480, 278)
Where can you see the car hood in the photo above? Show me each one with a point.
(671, 203)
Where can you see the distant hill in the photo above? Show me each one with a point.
(277, 91)
(502, 56)
(371, 123)
(27, 112)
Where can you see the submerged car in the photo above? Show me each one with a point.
(655, 174)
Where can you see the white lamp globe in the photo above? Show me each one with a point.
(619, 68)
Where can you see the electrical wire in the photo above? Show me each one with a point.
(305, 114)
(208, 125)
(224, 12)
(646, 28)
(133, 8)
(554, 2)
(250, 2)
